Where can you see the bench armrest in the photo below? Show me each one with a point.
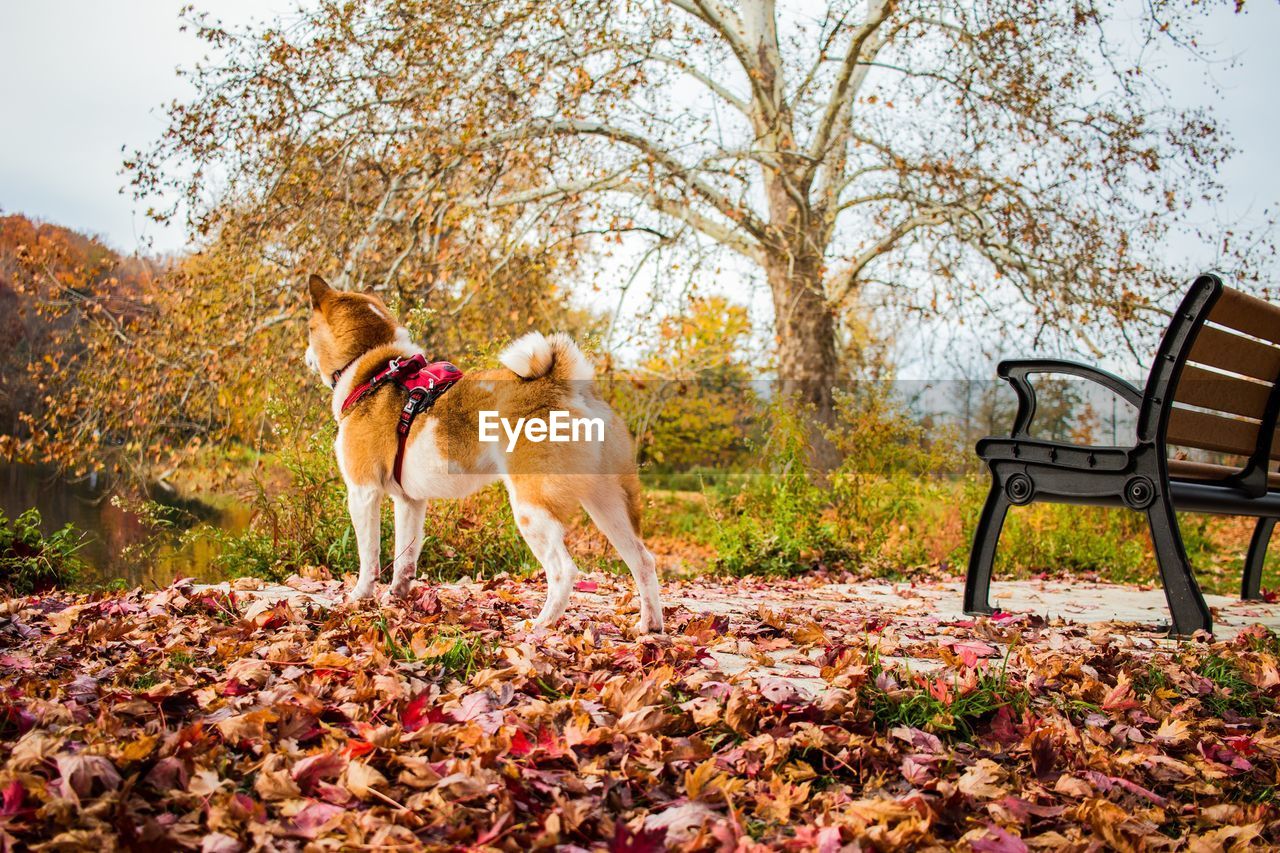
(1017, 371)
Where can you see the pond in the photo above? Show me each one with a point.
(110, 530)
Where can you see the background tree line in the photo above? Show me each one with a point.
(504, 165)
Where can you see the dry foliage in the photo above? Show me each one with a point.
(223, 721)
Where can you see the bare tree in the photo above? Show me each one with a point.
(959, 155)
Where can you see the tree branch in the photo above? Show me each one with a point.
(881, 246)
(728, 25)
(742, 216)
(706, 80)
(878, 12)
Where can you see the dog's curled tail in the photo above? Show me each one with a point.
(536, 355)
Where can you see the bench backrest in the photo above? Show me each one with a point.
(1214, 384)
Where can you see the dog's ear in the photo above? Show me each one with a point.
(320, 290)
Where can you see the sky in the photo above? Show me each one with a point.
(83, 81)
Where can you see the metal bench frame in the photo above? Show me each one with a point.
(1026, 469)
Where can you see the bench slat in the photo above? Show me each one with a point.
(1189, 470)
(1208, 390)
(1203, 431)
(1227, 351)
(1247, 314)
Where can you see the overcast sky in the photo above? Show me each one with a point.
(81, 80)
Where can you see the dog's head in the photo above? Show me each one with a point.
(343, 326)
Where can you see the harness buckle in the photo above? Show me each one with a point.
(412, 406)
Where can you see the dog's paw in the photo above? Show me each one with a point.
(396, 594)
(360, 593)
(649, 625)
(530, 629)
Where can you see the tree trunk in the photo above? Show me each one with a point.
(807, 364)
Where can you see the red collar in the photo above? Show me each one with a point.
(413, 374)
(337, 374)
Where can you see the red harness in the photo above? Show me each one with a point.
(424, 382)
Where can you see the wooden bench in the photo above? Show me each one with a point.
(1215, 386)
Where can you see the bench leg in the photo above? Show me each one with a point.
(977, 585)
(1186, 604)
(1251, 583)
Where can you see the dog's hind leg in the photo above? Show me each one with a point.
(615, 509)
(545, 535)
(364, 504)
(409, 518)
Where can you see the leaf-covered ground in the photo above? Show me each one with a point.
(230, 720)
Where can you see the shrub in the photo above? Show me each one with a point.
(908, 494)
(775, 524)
(305, 523)
(895, 491)
(473, 537)
(32, 562)
(896, 499)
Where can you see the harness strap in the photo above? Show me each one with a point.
(424, 382)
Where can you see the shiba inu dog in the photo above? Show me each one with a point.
(466, 440)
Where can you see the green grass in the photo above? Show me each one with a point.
(1151, 679)
(1233, 693)
(959, 718)
(145, 680)
(460, 656)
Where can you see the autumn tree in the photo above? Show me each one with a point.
(691, 401)
(66, 300)
(998, 155)
(134, 368)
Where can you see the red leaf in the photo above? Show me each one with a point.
(233, 687)
(1120, 698)
(311, 770)
(494, 832)
(11, 799)
(970, 651)
(627, 840)
(357, 748)
(586, 586)
(416, 714)
(313, 819)
(998, 841)
(520, 745)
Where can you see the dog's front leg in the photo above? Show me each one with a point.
(364, 503)
(409, 517)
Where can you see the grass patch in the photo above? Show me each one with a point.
(456, 653)
(954, 710)
(1232, 692)
(145, 680)
(774, 526)
(1150, 680)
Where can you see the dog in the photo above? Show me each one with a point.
(352, 337)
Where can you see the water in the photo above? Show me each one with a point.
(110, 529)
